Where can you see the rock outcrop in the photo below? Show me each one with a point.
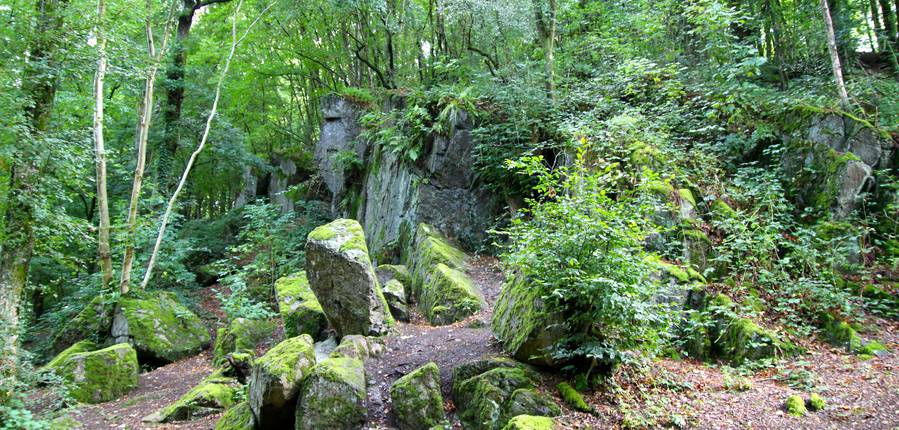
(416, 399)
(94, 322)
(521, 323)
(343, 280)
(161, 329)
(395, 294)
(333, 396)
(276, 379)
(300, 310)
(214, 394)
(440, 287)
(98, 376)
(396, 194)
(241, 336)
(494, 391)
(239, 417)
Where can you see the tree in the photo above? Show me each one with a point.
(834, 55)
(103, 248)
(17, 249)
(545, 21)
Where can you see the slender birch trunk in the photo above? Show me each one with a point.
(834, 55)
(143, 128)
(103, 250)
(193, 157)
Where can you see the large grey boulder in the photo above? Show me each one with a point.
(343, 279)
(333, 396)
(276, 379)
(416, 399)
(161, 329)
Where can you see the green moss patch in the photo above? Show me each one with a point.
(530, 422)
(796, 406)
(572, 398)
(239, 417)
(299, 308)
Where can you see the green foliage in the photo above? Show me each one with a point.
(582, 248)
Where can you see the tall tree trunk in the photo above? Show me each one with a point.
(103, 249)
(193, 157)
(546, 31)
(174, 99)
(878, 27)
(834, 54)
(17, 248)
(889, 25)
(145, 116)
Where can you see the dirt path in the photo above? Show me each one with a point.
(155, 390)
(416, 343)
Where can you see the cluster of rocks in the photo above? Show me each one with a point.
(112, 338)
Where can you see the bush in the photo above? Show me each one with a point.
(584, 250)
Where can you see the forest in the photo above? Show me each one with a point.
(449, 214)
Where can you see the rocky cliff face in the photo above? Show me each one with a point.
(390, 196)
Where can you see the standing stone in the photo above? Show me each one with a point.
(300, 310)
(333, 396)
(275, 381)
(343, 279)
(416, 398)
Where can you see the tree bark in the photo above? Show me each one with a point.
(103, 249)
(193, 157)
(834, 54)
(143, 127)
(546, 31)
(18, 246)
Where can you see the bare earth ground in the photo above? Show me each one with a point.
(860, 394)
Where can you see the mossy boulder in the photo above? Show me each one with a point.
(482, 400)
(212, 395)
(388, 272)
(359, 347)
(530, 422)
(464, 371)
(527, 401)
(99, 376)
(522, 323)
(416, 398)
(241, 336)
(333, 396)
(94, 322)
(739, 339)
(841, 334)
(395, 294)
(796, 406)
(428, 249)
(449, 296)
(239, 417)
(343, 280)
(816, 402)
(299, 308)
(78, 347)
(276, 379)
(161, 329)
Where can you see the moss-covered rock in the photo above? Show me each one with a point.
(78, 347)
(161, 329)
(416, 398)
(527, 401)
(841, 334)
(481, 399)
(212, 395)
(523, 325)
(343, 280)
(795, 406)
(395, 294)
(299, 308)
(388, 272)
(572, 398)
(276, 379)
(358, 347)
(530, 422)
(239, 417)
(242, 335)
(439, 285)
(816, 402)
(94, 322)
(99, 376)
(333, 396)
(464, 371)
(739, 339)
(449, 296)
